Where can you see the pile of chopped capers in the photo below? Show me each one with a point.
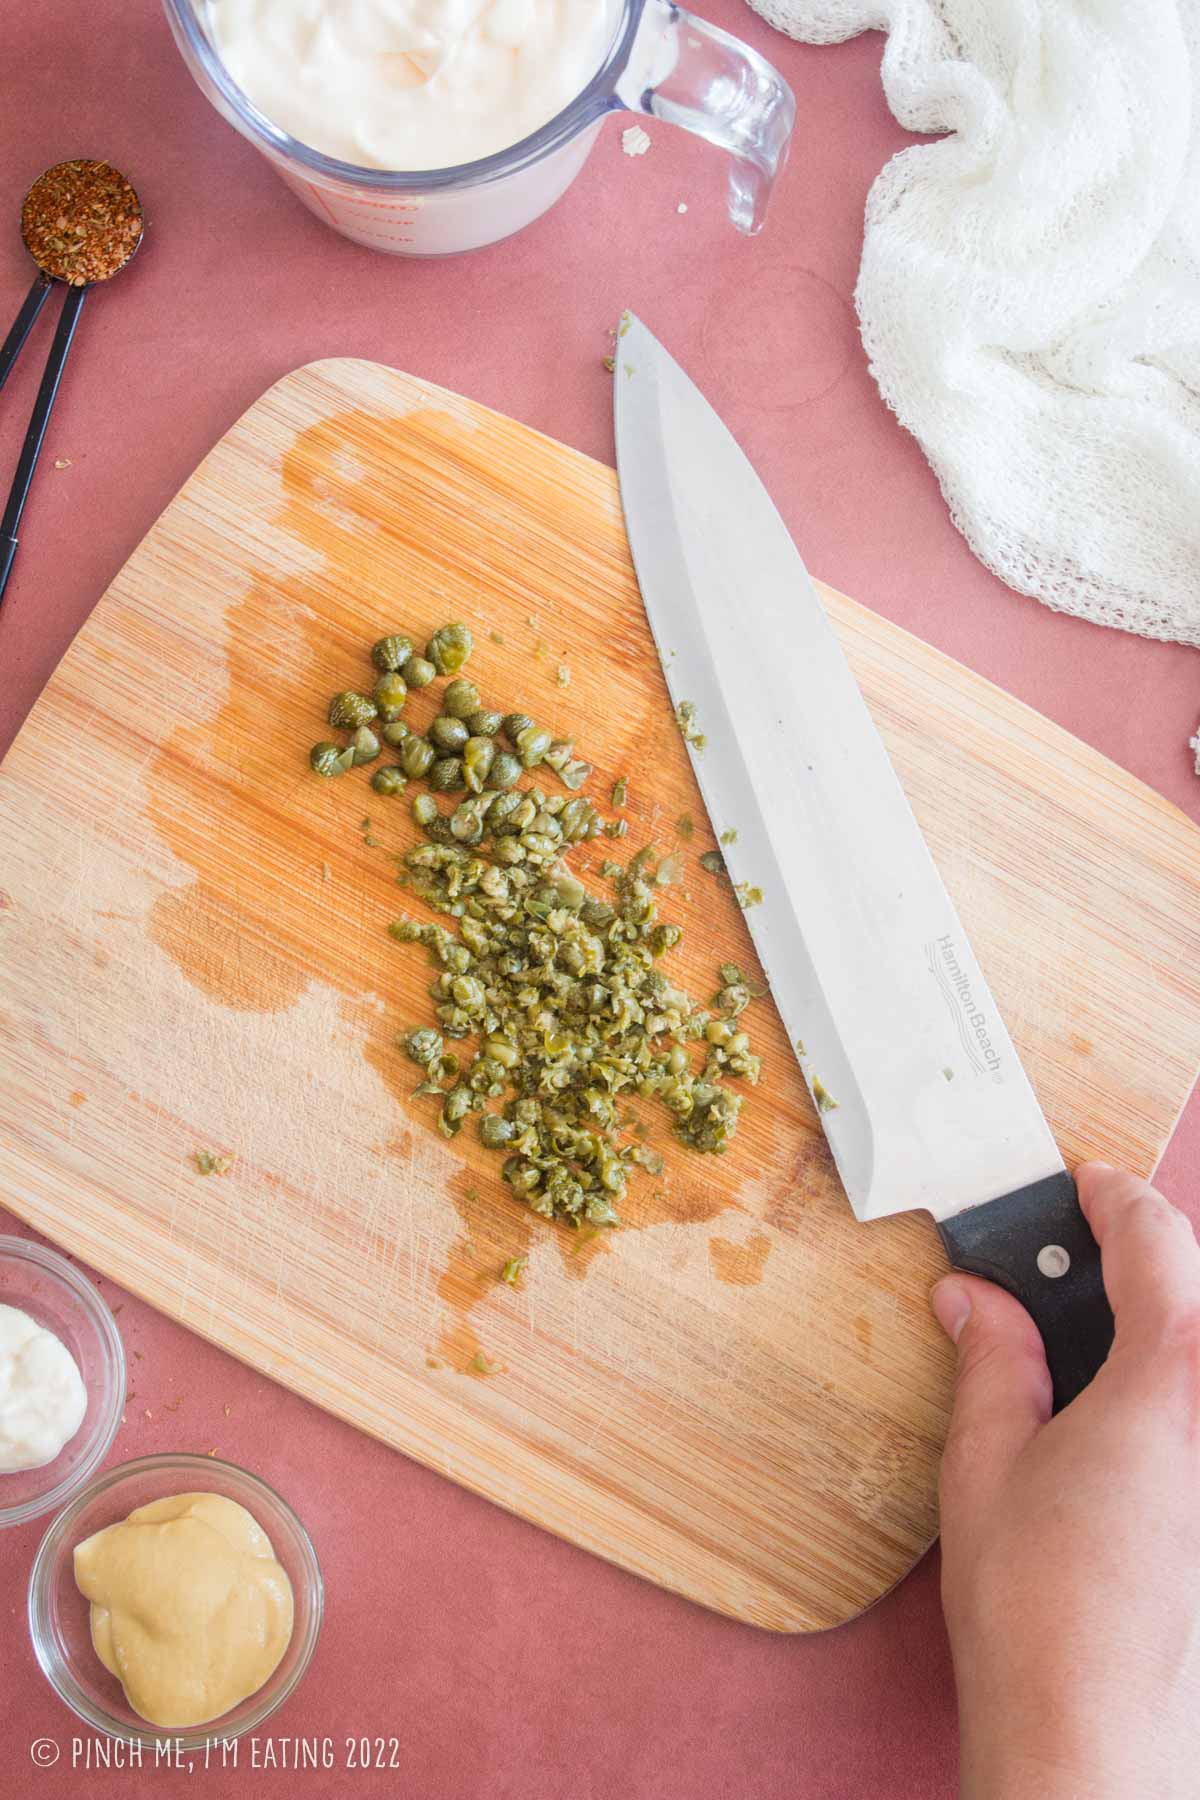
(561, 989)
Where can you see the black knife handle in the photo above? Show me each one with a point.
(1002, 1241)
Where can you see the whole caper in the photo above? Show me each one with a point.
(394, 733)
(418, 672)
(365, 746)
(330, 759)
(505, 771)
(389, 781)
(350, 710)
(391, 691)
(532, 744)
(425, 809)
(479, 753)
(447, 734)
(503, 807)
(485, 723)
(514, 723)
(392, 652)
(425, 1046)
(449, 648)
(460, 699)
(417, 756)
(446, 775)
(466, 826)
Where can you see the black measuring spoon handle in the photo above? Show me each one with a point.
(22, 325)
(31, 449)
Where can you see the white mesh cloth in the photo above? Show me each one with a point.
(1029, 292)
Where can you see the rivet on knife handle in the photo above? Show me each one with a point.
(1037, 1244)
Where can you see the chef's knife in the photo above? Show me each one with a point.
(919, 1088)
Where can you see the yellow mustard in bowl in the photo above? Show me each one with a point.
(190, 1609)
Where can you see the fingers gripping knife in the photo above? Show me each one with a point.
(869, 964)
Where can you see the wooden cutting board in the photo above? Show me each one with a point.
(741, 1394)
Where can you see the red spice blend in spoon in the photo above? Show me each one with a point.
(81, 221)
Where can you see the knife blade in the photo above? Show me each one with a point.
(917, 1082)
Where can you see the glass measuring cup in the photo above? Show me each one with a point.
(662, 62)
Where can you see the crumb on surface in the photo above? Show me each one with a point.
(209, 1163)
(635, 141)
(824, 1100)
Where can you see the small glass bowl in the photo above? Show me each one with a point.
(59, 1615)
(47, 1287)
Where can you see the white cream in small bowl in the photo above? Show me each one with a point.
(42, 1396)
(59, 1345)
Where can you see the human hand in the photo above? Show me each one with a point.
(1071, 1545)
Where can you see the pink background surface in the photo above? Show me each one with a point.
(507, 1664)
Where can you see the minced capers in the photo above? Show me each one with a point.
(561, 990)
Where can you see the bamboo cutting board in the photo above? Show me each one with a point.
(741, 1394)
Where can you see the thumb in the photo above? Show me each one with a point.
(1002, 1391)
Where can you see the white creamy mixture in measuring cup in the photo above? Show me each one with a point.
(411, 84)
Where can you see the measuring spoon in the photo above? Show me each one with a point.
(81, 222)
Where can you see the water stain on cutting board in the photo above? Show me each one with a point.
(294, 876)
(739, 1265)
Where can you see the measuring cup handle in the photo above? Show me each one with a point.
(695, 75)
